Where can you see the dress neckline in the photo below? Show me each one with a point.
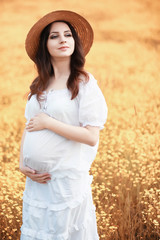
(54, 90)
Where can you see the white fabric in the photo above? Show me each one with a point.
(63, 208)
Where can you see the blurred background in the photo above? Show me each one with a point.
(125, 60)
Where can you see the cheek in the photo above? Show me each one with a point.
(73, 44)
(50, 46)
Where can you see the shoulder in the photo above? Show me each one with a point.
(89, 89)
(87, 82)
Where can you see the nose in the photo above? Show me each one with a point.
(62, 39)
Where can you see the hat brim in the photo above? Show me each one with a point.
(80, 24)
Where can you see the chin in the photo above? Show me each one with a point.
(61, 56)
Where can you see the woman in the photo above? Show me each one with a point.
(64, 112)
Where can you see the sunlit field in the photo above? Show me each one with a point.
(125, 60)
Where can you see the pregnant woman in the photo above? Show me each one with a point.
(65, 111)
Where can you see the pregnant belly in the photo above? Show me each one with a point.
(44, 150)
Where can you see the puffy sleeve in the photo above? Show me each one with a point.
(92, 105)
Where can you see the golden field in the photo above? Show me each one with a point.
(125, 59)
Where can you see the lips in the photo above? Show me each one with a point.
(63, 48)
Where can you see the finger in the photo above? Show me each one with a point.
(47, 179)
(39, 181)
(31, 120)
(42, 178)
(43, 175)
(29, 170)
(30, 124)
(30, 129)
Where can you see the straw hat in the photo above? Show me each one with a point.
(80, 24)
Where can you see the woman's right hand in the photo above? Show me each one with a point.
(37, 177)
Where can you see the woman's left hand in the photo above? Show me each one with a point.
(37, 123)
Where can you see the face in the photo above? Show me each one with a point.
(60, 42)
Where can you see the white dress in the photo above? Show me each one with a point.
(63, 208)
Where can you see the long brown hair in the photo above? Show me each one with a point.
(45, 69)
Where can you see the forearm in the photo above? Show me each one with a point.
(87, 135)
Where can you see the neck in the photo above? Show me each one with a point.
(61, 68)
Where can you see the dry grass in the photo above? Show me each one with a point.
(125, 60)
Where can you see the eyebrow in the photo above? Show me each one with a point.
(64, 31)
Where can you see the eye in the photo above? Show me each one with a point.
(53, 36)
(68, 35)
